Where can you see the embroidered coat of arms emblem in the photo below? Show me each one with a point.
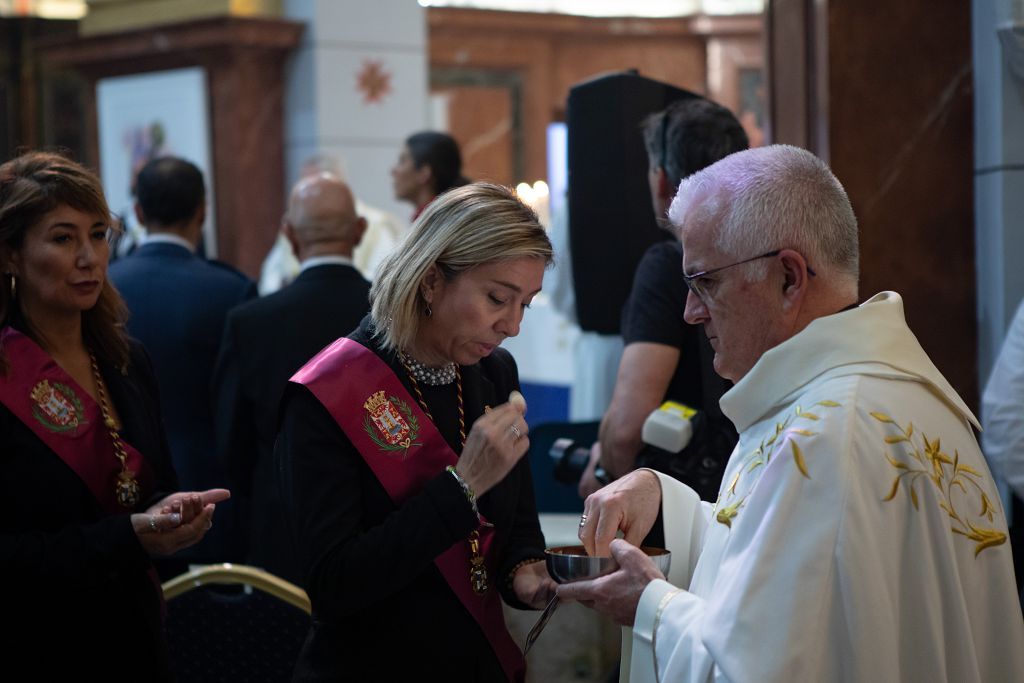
(57, 407)
(390, 422)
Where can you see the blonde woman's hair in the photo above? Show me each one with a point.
(461, 229)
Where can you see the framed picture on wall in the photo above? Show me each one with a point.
(146, 116)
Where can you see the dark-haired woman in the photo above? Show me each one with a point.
(429, 164)
(86, 486)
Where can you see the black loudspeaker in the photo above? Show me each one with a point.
(611, 222)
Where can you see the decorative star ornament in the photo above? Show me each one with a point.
(374, 81)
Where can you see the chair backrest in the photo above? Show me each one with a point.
(230, 622)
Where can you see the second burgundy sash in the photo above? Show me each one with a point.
(48, 401)
(404, 450)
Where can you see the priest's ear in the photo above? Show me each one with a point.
(796, 275)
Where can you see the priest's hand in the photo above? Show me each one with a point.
(629, 504)
(177, 521)
(616, 595)
(533, 585)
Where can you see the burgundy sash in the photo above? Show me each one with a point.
(404, 450)
(65, 417)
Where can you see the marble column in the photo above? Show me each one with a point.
(883, 92)
(357, 87)
(998, 46)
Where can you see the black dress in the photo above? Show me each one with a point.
(77, 594)
(382, 611)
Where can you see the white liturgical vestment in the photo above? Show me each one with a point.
(858, 534)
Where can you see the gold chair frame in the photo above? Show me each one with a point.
(231, 574)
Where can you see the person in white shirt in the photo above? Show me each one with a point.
(1002, 413)
(858, 534)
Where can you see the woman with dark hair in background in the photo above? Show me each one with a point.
(86, 471)
(430, 163)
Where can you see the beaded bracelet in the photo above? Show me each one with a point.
(519, 565)
(470, 496)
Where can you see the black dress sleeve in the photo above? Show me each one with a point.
(144, 423)
(52, 530)
(355, 545)
(72, 541)
(82, 555)
(525, 539)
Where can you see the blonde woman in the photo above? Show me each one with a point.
(401, 454)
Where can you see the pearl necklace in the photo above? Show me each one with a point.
(435, 377)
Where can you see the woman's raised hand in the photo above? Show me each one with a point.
(494, 445)
(177, 521)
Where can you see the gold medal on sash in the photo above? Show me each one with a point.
(127, 490)
(477, 570)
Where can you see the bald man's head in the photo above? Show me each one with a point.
(321, 217)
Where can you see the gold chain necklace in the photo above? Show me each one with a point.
(127, 488)
(477, 568)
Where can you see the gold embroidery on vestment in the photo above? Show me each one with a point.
(934, 465)
(727, 507)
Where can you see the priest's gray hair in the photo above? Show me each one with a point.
(775, 197)
(460, 229)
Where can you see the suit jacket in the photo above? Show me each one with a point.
(265, 342)
(381, 609)
(74, 581)
(178, 303)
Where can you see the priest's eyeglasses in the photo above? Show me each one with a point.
(700, 285)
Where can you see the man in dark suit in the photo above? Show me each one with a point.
(266, 341)
(178, 302)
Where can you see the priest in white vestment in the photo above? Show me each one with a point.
(858, 534)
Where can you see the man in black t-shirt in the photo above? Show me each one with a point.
(664, 358)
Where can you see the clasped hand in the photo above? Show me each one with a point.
(177, 521)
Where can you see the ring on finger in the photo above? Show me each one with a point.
(515, 432)
(152, 524)
(583, 521)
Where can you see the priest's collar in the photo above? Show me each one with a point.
(874, 333)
